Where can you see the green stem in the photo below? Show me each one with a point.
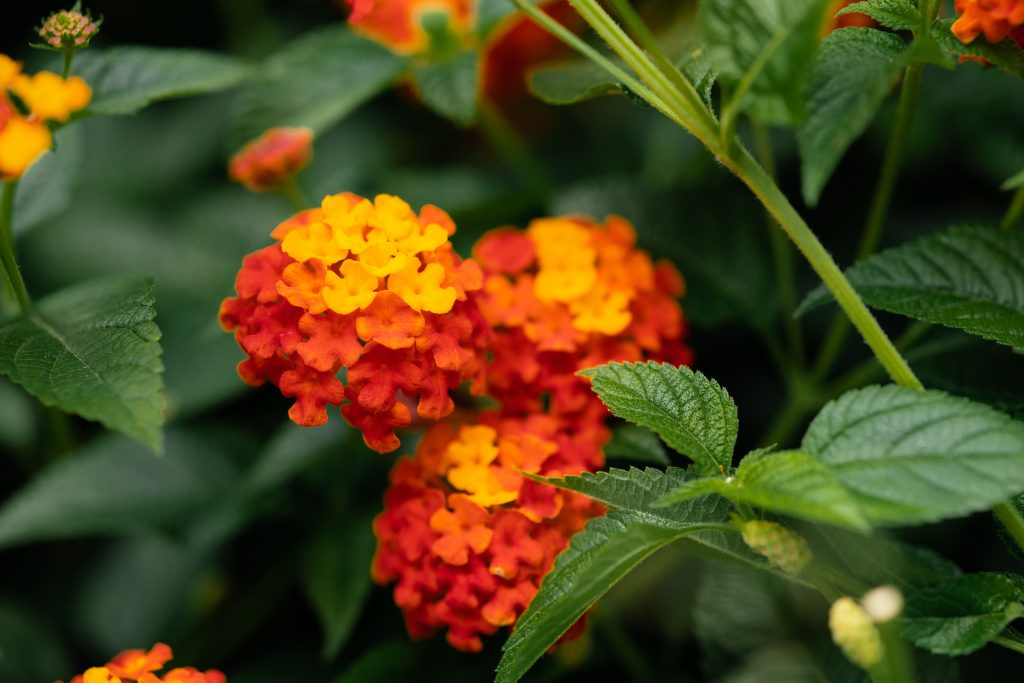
(693, 116)
(294, 194)
(1015, 211)
(1009, 644)
(69, 56)
(731, 113)
(10, 263)
(1012, 519)
(896, 665)
(880, 202)
(782, 254)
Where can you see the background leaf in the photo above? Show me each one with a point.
(314, 81)
(693, 414)
(962, 615)
(901, 15)
(450, 86)
(916, 456)
(93, 350)
(854, 70)
(1004, 54)
(639, 444)
(126, 79)
(970, 278)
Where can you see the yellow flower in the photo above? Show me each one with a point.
(316, 240)
(382, 259)
(602, 311)
(9, 70)
(50, 97)
(100, 674)
(21, 143)
(355, 288)
(470, 457)
(422, 291)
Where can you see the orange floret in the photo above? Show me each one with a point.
(353, 270)
(143, 666)
(995, 19)
(131, 664)
(271, 160)
(398, 23)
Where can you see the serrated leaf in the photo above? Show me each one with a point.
(853, 71)
(960, 616)
(336, 579)
(631, 442)
(901, 15)
(113, 486)
(693, 414)
(780, 34)
(92, 349)
(969, 278)
(598, 557)
(313, 81)
(126, 79)
(450, 86)
(909, 456)
(1004, 54)
(789, 483)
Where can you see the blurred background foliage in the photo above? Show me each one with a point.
(247, 545)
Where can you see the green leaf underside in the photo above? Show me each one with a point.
(961, 615)
(639, 444)
(1004, 54)
(910, 457)
(780, 33)
(606, 550)
(113, 486)
(693, 414)
(969, 278)
(901, 15)
(314, 81)
(789, 483)
(93, 350)
(126, 79)
(854, 70)
(450, 87)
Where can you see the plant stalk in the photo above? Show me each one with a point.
(1012, 520)
(69, 56)
(1015, 211)
(10, 263)
(294, 194)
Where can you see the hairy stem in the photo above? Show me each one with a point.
(1012, 519)
(1015, 210)
(880, 203)
(10, 263)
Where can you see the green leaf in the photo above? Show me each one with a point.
(1013, 182)
(597, 558)
(901, 15)
(113, 486)
(1004, 54)
(918, 456)
(777, 36)
(789, 483)
(630, 442)
(393, 661)
(126, 79)
(961, 615)
(965, 365)
(337, 581)
(93, 350)
(853, 71)
(970, 278)
(450, 86)
(46, 188)
(693, 414)
(314, 81)
(31, 649)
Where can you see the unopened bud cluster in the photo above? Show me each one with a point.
(854, 625)
(69, 29)
(783, 548)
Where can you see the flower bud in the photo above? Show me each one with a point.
(883, 604)
(783, 548)
(69, 29)
(271, 160)
(855, 633)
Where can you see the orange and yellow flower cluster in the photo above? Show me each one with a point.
(143, 667)
(271, 160)
(398, 23)
(995, 19)
(368, 286)
(566, 294)
(465, 537)
(47, 97)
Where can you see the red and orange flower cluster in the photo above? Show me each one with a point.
(143, 667)
(995, 19)
(272, 160)
(367, 286)
(47, 97)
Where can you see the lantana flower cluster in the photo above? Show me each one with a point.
(46, 97)
(995, 19)
(273, 159)
(144, 666)
(369, 286)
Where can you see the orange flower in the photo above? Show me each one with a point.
(398, 23)
(996, 19)
(141, 666)
(271, 160)
(852, 19)
(132, 664)
(355, 269)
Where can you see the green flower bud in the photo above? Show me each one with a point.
(783, 548)
(855, 633)
(69, 29)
